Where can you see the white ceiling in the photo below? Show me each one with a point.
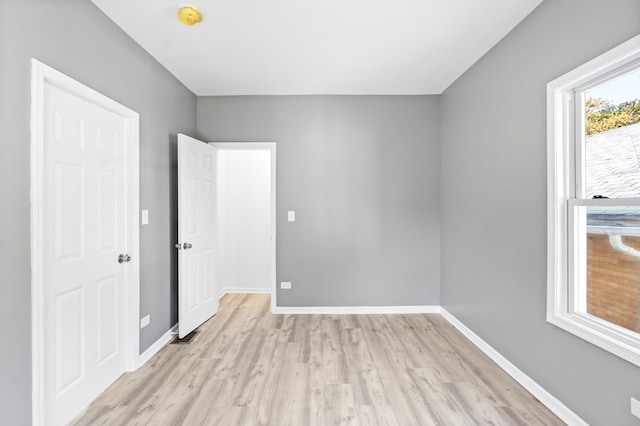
(256, 47)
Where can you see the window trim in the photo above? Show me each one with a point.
(561, 175)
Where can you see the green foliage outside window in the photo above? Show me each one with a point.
(602, 115)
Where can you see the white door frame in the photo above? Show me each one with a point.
(271, 146)
(41, 75)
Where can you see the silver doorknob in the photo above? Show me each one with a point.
(187, 246)
(124, 258)
(178, 246)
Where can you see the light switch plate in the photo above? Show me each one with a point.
(145, 217)
(635, 407)
(145, 321)
(291, 216)
(285, 285)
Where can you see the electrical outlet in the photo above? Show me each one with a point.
(145, 217)
(145, 321)
(285, 285)
(635, 407)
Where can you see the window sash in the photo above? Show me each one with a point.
(576, 287)
(577, 132)
(603, 202)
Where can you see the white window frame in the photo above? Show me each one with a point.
(564, 142)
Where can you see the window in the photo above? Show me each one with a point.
(594, 201)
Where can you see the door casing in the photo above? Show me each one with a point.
(41, 75)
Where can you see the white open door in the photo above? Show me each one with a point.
(197, 287)
(84, 224)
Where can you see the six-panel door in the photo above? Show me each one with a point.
(85, 215)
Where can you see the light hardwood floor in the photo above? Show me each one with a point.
(248, 367)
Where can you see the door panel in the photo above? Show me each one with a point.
(69, 338)
(107, 318)
(68, 212)
(208, 291)
(107, 141)
(197, 237)
(85, 229)
(193, 280)
(107, 210)
(208, 212)
(191, 217)
(68, 128)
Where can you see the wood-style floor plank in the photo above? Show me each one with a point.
(249, 367)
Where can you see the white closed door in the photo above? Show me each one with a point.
(85, 231)
(197, 239)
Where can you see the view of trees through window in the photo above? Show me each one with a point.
(613, 104)
(603, 115)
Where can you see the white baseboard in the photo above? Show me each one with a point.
(159, 344)
(550, 401)
(356, 310)
(243, 290)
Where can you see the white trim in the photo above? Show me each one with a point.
(157, 346)
(562, 148)
(243, 290)
(41, 74)
(271, 146)
(357, 310)
(37, 244)
(550, 401)
(133, 244)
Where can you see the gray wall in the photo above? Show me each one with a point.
(74, 37)
(494, 203)
(361, 172)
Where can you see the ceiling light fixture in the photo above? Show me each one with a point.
(189, 15)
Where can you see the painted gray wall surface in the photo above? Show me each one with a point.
(361, 173)
(75, 37)
(494, 203)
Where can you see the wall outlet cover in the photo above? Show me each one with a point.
(291, 216)
(285, 285)
(145, 217)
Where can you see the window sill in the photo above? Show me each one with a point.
(610, 337)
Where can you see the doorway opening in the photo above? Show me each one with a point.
(247, 217)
